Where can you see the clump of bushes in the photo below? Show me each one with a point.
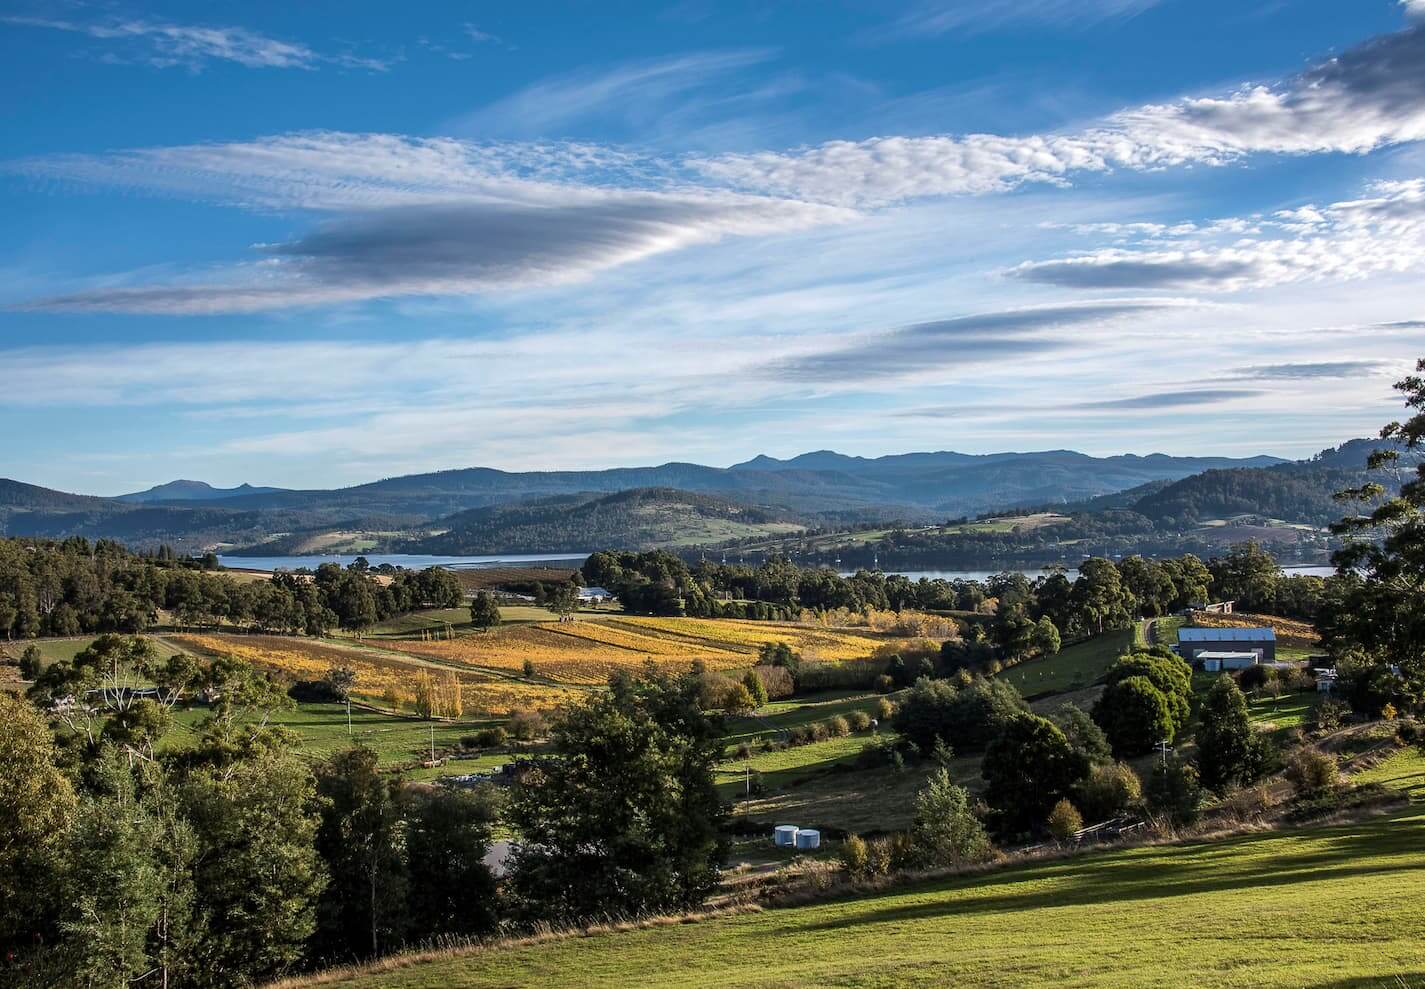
(1065, 821)
(1108, 791)
(965, 718)
(1328, 714)
(485, 738)
(856, 674)
(859, 720)
(1312, 773)
(776, 681)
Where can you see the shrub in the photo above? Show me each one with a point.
(1408, 732)
(944, 831)
(1328, 714)
(879, 751)
(885, 710)
(1249, 803)
(1174, 794)
(742, 751)
(855, 856)
(485, 738)
(885, 684)
(1311, 772)
(527, 725)
(1109, 791)
(837, 726)
(756, 689)
(801, 735)
(776, 680)
(889, 854)
(1064, 821)
(859, 720)
(1256, 676)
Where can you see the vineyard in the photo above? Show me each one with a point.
(391, 680)
(1289, 632)
(575, 652)
(536, 665)
(746, 636)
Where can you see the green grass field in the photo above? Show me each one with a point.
(786, 766)
(1324, 908)
(775, 719)
(1075, 667)
(322, 729)
(52, 650)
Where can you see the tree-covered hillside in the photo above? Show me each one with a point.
(641, 519)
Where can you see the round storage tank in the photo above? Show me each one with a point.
(808, 838)
(786, 834)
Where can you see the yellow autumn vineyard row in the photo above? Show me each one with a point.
(392, 681)
(571, 652)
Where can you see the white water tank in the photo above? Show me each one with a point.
(785, 835)
(808, 839)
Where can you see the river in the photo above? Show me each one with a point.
(416, 562)
(411, 561)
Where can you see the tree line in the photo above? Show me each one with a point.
(74, 587)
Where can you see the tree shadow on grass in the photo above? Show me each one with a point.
(1170, 871)
(1402, 980)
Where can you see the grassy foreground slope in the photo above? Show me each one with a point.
(1329, 908)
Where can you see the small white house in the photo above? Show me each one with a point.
(1215, 661)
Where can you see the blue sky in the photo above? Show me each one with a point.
(316, 244)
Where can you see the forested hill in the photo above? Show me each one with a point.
(644, 518)
(1300, 496)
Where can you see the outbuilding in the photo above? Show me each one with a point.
(1260, 642)
(1214, 661)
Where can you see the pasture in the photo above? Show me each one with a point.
(321, 730)
(1073, 668)
(1323, 907)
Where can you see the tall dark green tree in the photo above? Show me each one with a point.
(1382, 612)
(363, 909)
(1229, 752)
(1027, 770)
(626, 819)
(484, 611)
(450, 889)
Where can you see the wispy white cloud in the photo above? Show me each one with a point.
(1381, 233)
(646, 88)
(1370, 97)
(937, 17)
(165, 44)
(1414, 8)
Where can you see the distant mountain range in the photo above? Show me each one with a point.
(823, 489)
(193, 491)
